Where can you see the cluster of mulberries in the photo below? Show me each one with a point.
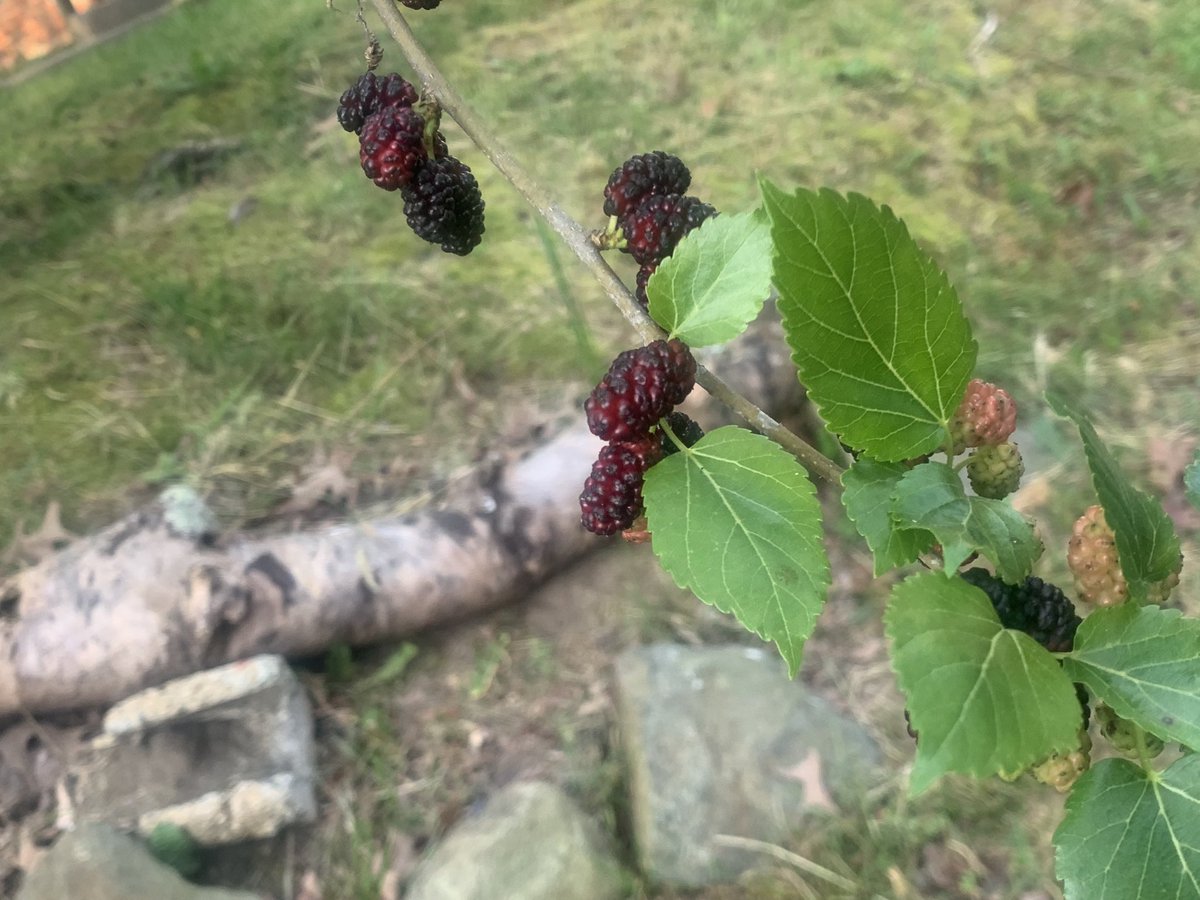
(369, 95)
(645, 195)
(420, 4)
(641, 387)
(400, 148)
(985, 420)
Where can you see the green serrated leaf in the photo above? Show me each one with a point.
(1144, 662)
(1191, 481)
(1005, 537)
(1129, 833)
(736, 520)
(1146, 541)
(875, 327)
(983, 698)
(715, 282)
(931, 497)
(869, 488)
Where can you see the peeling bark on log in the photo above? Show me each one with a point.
(147, 599)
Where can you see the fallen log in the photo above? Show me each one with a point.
(156, 596)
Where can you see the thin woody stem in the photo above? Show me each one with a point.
(580, 241)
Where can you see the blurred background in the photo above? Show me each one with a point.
(198, 284)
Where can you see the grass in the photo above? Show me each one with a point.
(1051, 171)
(149, 337)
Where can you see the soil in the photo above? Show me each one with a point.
(525, 692)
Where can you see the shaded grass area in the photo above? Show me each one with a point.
(149, 335)
(1049, 167)
(153, 333)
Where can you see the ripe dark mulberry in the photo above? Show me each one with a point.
(685, 429)
(612, 495)
(420, 4)
(1081, 694)
(659, 223)
(369, 95)
(1035, 607)
(641, 176)
(642, 385)
(643, 279)
(444, 206)
(392, 147)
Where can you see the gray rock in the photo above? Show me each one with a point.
(100, 863)
(226, 754)
(186, 513)
(529, 842)
(719, 742)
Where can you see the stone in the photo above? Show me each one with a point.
(186, 513)
(100, 863)
(530, 841)
(225, 754)
(722, 746)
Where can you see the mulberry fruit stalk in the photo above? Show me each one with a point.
(685, 429)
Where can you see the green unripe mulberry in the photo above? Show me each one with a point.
(1124, 735)
(995, 470)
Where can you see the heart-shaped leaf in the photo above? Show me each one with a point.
(983, 699)
(1144, 662)
(1129, 833)
(736, 520)
(875, 327)
(716, 281)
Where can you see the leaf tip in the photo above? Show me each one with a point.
(921, 777)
